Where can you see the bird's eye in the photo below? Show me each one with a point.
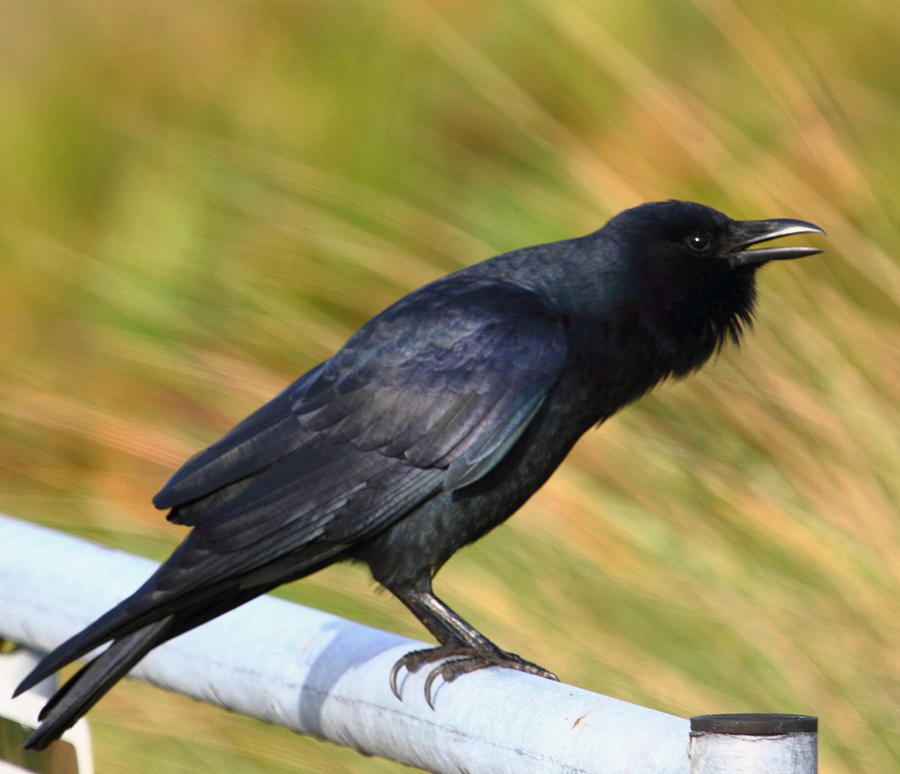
(698, 240)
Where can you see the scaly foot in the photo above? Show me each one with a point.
(459, 660)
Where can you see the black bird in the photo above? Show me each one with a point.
(432, 425)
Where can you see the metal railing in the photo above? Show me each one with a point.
(318, 674)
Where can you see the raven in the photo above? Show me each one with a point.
(433, 424)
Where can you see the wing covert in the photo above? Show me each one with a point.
(430, 394)
(448, 377)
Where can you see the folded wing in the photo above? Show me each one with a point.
(430, 394)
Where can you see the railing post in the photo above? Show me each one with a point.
(753, 744)
(70, 755)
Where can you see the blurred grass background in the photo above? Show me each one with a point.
(201, 200)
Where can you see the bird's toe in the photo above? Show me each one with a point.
(459, 661)
(414, 660)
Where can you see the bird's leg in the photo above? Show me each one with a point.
(462, 648)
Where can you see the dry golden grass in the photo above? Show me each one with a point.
(202, 200)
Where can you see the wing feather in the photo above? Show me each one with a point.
(430, 394)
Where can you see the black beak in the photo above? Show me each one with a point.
(745, 233)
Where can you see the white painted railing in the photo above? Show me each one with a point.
(321, 675)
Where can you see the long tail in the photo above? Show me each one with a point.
(93, 680)
(137, 625)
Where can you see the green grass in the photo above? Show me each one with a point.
(201, 200)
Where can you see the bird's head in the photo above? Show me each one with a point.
(687, 234)
(694, 269)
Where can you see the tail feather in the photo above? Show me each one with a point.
(134, 633)
(102, 630)
(148, 605)
(93, 680)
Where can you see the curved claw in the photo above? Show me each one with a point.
(413, 661)
(428, 683)
(395, 670)
(449, 671)
(459, 661)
